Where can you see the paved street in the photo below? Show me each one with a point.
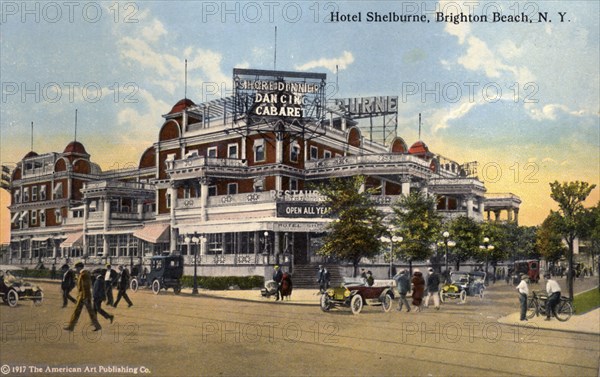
(182, 335)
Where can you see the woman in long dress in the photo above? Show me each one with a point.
(418, 284)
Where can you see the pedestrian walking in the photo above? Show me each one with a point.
(523, 290)
(67, 284)
(403, 283)
(122, 287)
(277, 277)
(84, 298)
(53, 271)
(323, 278)
(99, 295)
(110, 278)
(418, 288)
(433, 289)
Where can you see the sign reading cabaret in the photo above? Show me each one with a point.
(262, 94)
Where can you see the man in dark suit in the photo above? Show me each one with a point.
(99, 295)
(67, 284)
(110, 277)
(122, 286)
(84, 298)
(277, 277)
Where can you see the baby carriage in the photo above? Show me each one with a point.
(271, 286)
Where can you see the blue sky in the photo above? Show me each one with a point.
(520, 98)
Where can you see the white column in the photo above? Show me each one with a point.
(405, 180)
(203, 198)
(469, 206)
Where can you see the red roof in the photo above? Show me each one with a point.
(75, 147)
(419, 148)
(31, 154)
(182, 105)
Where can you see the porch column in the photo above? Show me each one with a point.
(204, 182)
(173, 203)
(480, 202)
(516, 211)
(86, 210)
(405, 180)
(470, 206)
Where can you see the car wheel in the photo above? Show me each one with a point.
(38, 298)
(324, 303)
(156, 286)
(463, 297)
(134, 285)
(12, 298)
(386, 303)
(356, 304)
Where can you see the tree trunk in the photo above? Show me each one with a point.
(570, 275)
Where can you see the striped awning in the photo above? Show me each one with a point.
(153, 233)
(73, 240)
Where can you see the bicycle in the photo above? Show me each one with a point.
(536, 306)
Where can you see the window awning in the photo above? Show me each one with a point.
(73, 240)
(24, 215)
(40, 238)
(15, 217)
(153, 233)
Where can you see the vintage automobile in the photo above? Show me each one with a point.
(354, 294)
(463, 284)
(165, 272)
(13, 289)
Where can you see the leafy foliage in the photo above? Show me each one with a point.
(358, 226)
(417, 221)
(549, 239)
(466, 232)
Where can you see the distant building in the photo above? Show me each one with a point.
(229, 181)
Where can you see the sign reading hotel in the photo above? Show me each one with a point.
(272, 95)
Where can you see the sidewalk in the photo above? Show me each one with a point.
(299, 296)
(588, 323)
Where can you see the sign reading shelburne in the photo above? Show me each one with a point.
(368, 106)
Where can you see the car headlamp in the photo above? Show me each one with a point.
(330, 292)
(347, 293)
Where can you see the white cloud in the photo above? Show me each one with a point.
(341, 62)
(551, 111)
(153, 32)
(443, 116)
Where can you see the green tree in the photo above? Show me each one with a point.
(549, 239)
(497, 235)
(355, 233)
(418, 223)
(570, 197)
(466, 232)
(591, 232)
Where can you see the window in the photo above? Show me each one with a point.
(293, 184)
(294, 152)
(211, 152)
(168, 198)
(34, 192)
(17, 196)
(58, 216)
(212, 190)
(314, 153)
(232, 151)
(327, 154)
(25, 194)
(57, 192)
(259, 151)
(259, 184)
(42, 217)
(232, 188)
(43, 192)
(187, 193)
(34, 217)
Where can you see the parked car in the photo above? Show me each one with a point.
(165, 272)
(354, 294)
(463, 284)
(14, 289)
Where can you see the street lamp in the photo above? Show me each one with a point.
(486, 248)
(265, 252)
(447, 243)
(197, 240)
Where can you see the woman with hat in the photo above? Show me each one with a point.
(418, 288)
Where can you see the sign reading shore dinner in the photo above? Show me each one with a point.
(262, 95)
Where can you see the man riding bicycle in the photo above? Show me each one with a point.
(553, 291)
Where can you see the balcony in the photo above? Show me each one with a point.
(190, 166)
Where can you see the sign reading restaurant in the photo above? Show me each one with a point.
(262, 94)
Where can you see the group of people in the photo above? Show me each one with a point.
(420, 285)
(92, 291)
(552, 290)
(284, 283)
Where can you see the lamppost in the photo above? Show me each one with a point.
(391, 242)
(447, 243)
(486, 248)
(198, 241)
(265, 252)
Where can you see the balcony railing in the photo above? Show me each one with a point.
(202, 161)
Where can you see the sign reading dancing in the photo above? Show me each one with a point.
(267, 95)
